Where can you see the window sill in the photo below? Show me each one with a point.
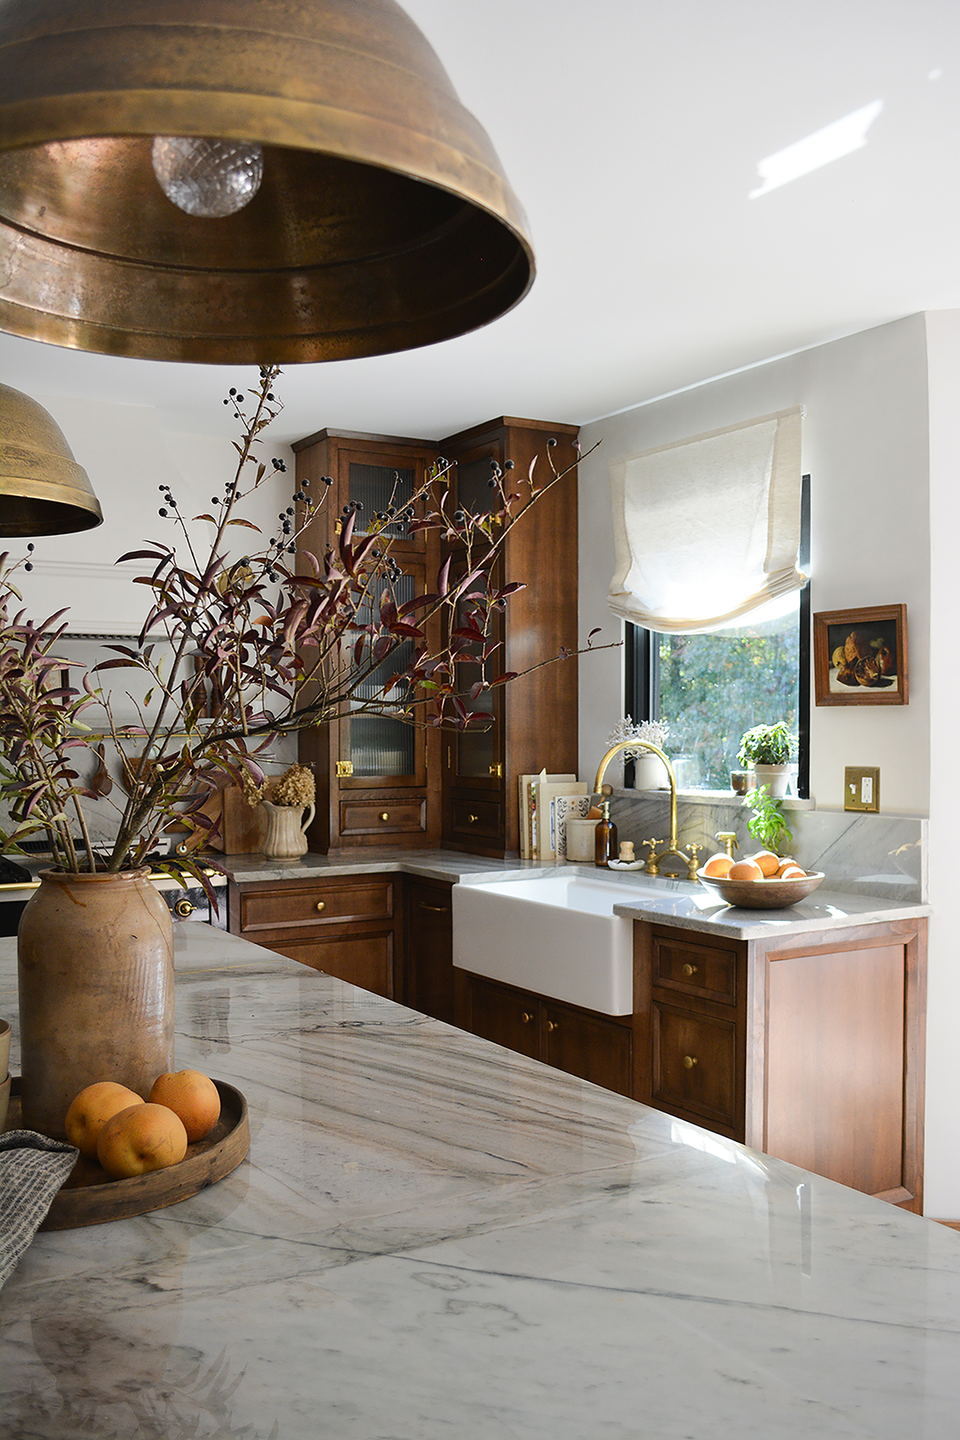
(719, 797)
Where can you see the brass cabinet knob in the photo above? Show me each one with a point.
(689, 969)
(552, 1025)
(320, 905)
(385, 815)
(183, 908)
(525, 1017)
(472, 819)
(689, 1061)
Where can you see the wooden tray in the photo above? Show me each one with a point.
(89, 1197)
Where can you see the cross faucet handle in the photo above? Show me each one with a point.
(693, 851)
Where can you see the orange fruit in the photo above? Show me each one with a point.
(191, 1095)
(745, 870)
(141, 1139)
(91, 1110)
(792, 872)
(768, 862)
(718, 865)
(785, 862)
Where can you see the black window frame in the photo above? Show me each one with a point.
(642, 663)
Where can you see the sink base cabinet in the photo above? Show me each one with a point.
(595, 1047)
(810, 1052)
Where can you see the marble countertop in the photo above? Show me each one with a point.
(435, 1237)
(686, 904)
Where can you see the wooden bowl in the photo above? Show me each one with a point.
(770, 894)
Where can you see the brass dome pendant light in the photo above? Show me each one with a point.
(43, 491)
(373, 214)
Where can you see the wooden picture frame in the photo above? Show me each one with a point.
(860, 656)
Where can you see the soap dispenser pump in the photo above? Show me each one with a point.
(605, 838)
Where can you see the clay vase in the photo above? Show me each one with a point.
(95, 971)
(286, 830)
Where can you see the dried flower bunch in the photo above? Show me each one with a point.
(653, 732)
(255, 645)
(296, 787)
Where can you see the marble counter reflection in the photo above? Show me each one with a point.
(435, 1237)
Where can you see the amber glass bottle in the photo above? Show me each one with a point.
(605, 837)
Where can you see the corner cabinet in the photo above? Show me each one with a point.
(535, 717)
(377, 778)
(380, 781)
(808, 1047)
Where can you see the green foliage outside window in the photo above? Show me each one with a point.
(715, 687)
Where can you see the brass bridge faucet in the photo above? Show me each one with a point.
(687, 856)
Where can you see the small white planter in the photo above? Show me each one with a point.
(775, 777)
(649, 772)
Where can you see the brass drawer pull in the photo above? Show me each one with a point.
(689, 1061)
(183, 908)
(552, 1025)
(525, 1017)
(689, 969)
(472, 819)
(385, 815)
(320, 905)
(437, 909)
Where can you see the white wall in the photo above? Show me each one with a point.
(943, 1001)
(865, 447)
(127, 455)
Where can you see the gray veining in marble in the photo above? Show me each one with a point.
(881, 855)
(435, 1237)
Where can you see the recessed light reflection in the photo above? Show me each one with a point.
(831, 143)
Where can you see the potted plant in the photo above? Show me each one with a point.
(769, 749)
(767, 823)
(237, 647)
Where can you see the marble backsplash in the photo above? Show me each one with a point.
(881, 855)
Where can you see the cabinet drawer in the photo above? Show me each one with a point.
(285, 905)
(706, 971)
(383, 817)
(475, 817)
(695, 1065)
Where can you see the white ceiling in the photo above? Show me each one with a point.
(632, 132)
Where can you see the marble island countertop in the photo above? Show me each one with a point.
(435, 1237)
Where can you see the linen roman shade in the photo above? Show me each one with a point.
(707, 530)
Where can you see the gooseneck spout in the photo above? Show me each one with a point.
(689, 856)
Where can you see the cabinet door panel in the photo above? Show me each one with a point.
(835, 1065)
(364, 960)
(588, 1046)
(506, 1017)
(695, 1064)
(429, 950)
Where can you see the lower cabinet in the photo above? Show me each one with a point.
(809, 1047)
(428, 948)
(595, 1047)
(345, 925)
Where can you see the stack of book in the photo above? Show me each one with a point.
(545, 803)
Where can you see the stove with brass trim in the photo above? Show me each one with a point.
(18, 881)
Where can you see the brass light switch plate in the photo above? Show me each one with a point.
(861, 787)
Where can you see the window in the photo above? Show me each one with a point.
(711, 688)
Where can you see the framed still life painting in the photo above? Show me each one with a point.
(860, 656)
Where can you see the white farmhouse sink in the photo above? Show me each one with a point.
(554, 934)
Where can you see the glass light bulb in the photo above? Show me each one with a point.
(212, 178)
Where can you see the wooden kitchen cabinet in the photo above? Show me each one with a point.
(595, 1047)
(535, 718)
(809, 1048)
(377, 778)
(346, 925)
(428, 948)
